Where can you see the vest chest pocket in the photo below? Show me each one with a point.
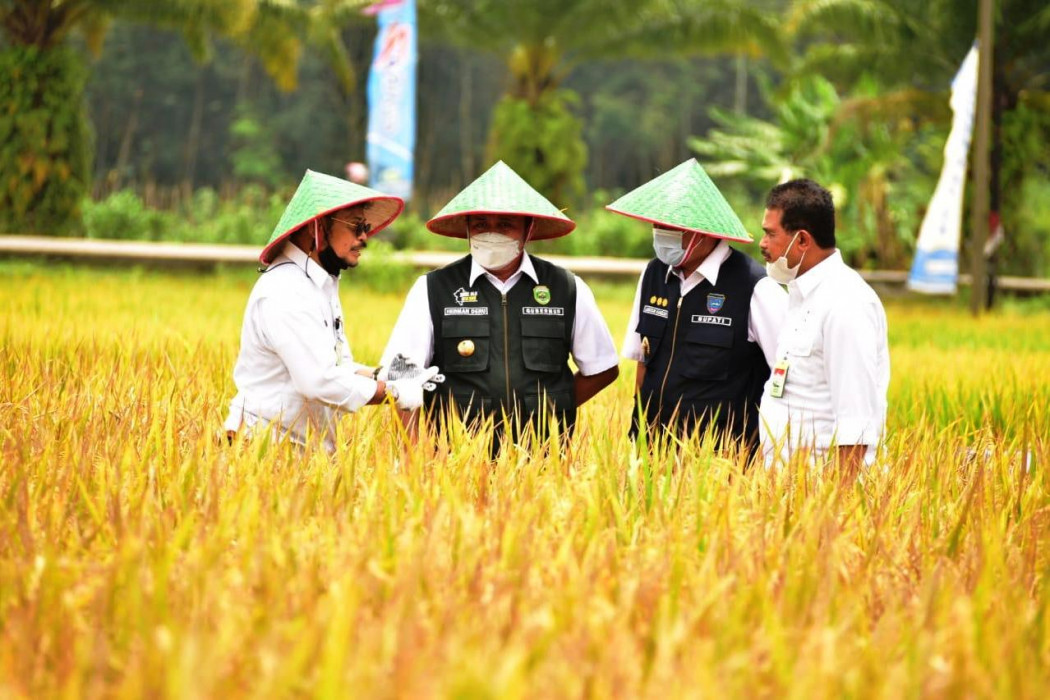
(465, 344)
(706, 352)
(653, 329)
(543, 347)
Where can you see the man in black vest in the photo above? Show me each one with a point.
(706, 318)
(502, 324)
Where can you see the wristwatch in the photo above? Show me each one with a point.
(375, 372)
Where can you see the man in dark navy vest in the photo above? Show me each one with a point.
(502, 324)
(706, 318)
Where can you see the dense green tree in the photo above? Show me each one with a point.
(45, 167)
(542, 40)
(639, 115)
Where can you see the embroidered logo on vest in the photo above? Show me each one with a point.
(715, 303)
(465, 296)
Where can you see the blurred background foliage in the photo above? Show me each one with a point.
(194, 119)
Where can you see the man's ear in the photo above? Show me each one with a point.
(805, 239)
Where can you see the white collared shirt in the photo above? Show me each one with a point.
(295, 370)
(768, 304)
(834, 341)
(593, 349)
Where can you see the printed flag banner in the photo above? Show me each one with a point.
(392, 99)
(935, 269)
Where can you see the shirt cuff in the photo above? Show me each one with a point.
(599, 365)
(632, 348)
(856, 431)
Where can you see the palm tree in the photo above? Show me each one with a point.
(912, 50)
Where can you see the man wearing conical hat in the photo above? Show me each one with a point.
(501, 323)
(295, 373)
(706, 318)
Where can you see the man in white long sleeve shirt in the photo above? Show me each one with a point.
(295, 373)
(826, 397)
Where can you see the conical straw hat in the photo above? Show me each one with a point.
(685, 198)
(500, 190)
(319, 194)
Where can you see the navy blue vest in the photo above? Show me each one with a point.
(504, 353)
(700, 368)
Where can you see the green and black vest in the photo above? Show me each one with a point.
(700, 368)
(504, 353)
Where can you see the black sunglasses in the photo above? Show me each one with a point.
(358, 227)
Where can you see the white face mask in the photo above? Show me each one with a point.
(779, 271)
(494, 250)
(668, 247)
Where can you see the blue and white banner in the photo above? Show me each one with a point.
(935, 269)
(392, 99)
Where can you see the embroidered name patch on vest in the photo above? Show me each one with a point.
(713, 320)
(543, 310)
(467, 311)
(654, 311)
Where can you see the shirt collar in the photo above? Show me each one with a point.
(708, 268)
(525, 267)
(805, 284)
(315, 272)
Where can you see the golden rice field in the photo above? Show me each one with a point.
(138, 557)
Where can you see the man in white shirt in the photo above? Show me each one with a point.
(826, 398)
(295, 373)
(705, 318)
(501, 323)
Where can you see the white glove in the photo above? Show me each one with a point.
(403, 368)
(408, 391)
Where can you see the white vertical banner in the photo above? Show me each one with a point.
(935, 269)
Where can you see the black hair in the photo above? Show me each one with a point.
(803, 204)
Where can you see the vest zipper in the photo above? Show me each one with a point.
(506, 349)
(674, 341)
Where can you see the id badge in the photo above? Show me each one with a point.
(779, 378)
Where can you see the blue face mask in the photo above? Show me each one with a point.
(668, 247)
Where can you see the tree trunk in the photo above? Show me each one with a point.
(193, 138)
(740, 91)
(466, 128)
(124, 153)
(979, 211)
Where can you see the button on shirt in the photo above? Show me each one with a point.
(295, 370)
(593, 349)
(768, 304)
(834, 341)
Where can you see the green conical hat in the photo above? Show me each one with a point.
(319, 194)
(684, 198)
(501, 191)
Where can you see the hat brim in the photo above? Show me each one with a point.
(657, 222)
(381, 214)
(543, 227)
